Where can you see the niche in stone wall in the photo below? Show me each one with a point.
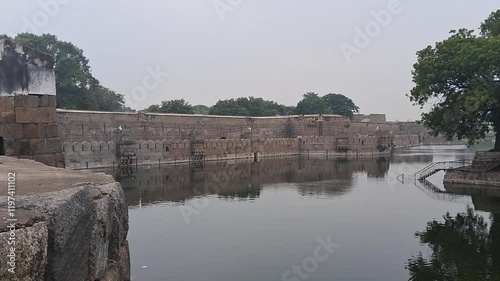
(2, 146)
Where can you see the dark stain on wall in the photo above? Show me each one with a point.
(14, 75)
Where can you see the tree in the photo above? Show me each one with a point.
(460, 78)
(179, 106)
(250, 106)
(201, 109)
(76, 87)
(311, 103)
(462, 249)
(228, 108)
(341, 105)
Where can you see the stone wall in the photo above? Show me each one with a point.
(486, 161)
(485, 170)
(472, 177)
(369, 118)
(84, 155)
(28, 118)
(68, 225)
(97, 139)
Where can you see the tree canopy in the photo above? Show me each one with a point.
(178, 106)
(201, 109)
(76, 87)
(460, 79)
(248, 107)
(312, 103)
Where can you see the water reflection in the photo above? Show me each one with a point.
(262, 218)
(244, 180)
(463, 247)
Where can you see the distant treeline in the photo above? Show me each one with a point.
(78, 89)
(311, 103)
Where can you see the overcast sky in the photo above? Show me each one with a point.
(276, 49)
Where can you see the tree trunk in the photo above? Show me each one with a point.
(497, 141)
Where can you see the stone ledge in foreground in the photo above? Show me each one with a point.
(70, 225)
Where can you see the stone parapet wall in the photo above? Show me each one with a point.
(485, 160)
(28, 127)
(84, 155)
(483, 171)
(472, 177)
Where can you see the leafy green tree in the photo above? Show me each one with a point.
(179, 106)
(462, 249)
(250, 106)
(340, 104)
(201, 109)
(104, 99)
(311, 103)
(75, 85)
(460, 78)
(228, 108)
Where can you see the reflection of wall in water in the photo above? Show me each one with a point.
(408, 158)
(241, 180)
(484, 198)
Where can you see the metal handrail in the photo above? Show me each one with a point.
(440, 166)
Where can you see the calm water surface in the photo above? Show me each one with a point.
(262, 221)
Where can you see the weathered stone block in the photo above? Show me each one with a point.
(16, 147)
(43, 101)
(99, 248)
(31, 253)
(35, 115)
(7, 117)
(30, 131)
(7, 110)
(7, 104)
(119, 219)
(47, 101)
(70, 230)
(26, 101)
(45, 146)
(52, 101)
(48, 130)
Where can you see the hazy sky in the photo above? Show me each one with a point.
(276, 49)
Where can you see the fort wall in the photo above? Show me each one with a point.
(100, 139)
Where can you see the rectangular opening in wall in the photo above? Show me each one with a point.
(2, 146)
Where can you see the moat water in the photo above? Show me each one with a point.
(311, 219)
